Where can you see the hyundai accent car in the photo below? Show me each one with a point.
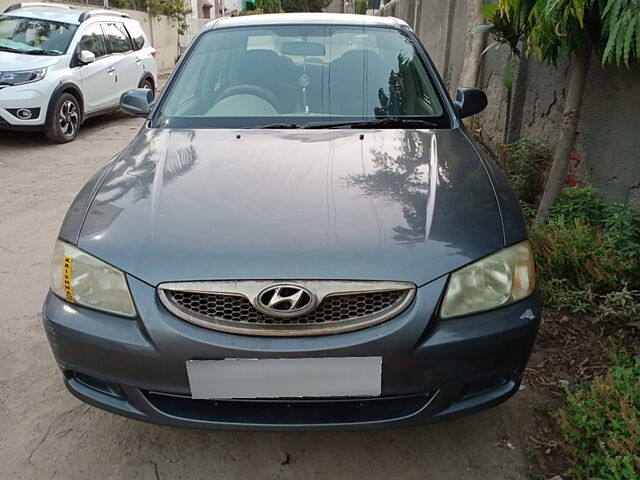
(60, 66)
(301, 236)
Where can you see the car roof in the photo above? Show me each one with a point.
(306, 18)
(61, 13)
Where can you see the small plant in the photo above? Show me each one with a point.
(269, 6)
(622, 304)
(579, 203)
(600, 425)
(304, 5)
(524, 164)
(255, 11)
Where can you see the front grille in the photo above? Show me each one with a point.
(338, 311)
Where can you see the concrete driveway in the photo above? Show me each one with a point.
(47, 433)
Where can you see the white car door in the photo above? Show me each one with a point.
(145, 53)
(128, 70)
(98, 78)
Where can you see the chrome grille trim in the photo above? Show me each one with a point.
(265, 325)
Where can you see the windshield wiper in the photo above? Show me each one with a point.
(401, 122)
(9, 49)
(29, 52)
(41, 52)
(278, 125)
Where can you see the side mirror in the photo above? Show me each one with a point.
(87, 57)
(470, 101)
(137, 102)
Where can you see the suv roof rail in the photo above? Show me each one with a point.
(17, 6)
(96, 13)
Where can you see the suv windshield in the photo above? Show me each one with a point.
(34, 36)
(301, 75)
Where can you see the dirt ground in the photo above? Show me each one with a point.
(47, 433)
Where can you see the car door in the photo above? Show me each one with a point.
(98, 77)
(128, 71)
(145, 53)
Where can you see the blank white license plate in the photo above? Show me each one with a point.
(285, 377)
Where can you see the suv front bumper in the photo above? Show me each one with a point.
(32, 96)
(432, 369)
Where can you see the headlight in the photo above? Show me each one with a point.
(18, 78)
(497, 280)
(80, 278)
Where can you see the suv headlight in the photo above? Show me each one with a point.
(494, 281)
(83, 279)
(18, 78)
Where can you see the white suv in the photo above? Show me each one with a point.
(60, 66)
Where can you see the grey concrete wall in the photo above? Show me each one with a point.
(607, 153)
(609, 133)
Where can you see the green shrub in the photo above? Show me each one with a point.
(304, 5)
(600, 425)
(178, 10)
(621, 225)
(268, 6)
(524, 164)
(361, 7)
(255, 11)
(588, 256)
(619, 222)
(579, 253)
(579, 203)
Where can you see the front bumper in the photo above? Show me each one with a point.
(432, 369)
(33, 96)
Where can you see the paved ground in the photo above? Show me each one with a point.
(47, 433)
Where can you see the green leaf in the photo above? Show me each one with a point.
(628, 40)
(578, 8)
(494, 45)
(509, 70)
(611, 5)
(482, 29)
(620, 39)
(637, 52)
(607, 56)
(488, 10)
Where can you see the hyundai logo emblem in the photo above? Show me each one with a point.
(285, 300)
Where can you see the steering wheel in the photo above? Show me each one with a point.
(247, 89)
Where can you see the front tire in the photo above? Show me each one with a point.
(65, 121)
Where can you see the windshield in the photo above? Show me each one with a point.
(33, 36)
(299, 75)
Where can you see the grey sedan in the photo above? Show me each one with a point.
(301, 236)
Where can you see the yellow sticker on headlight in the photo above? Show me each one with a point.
(66, 279)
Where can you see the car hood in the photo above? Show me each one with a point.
(15, 62)
(406, 205)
